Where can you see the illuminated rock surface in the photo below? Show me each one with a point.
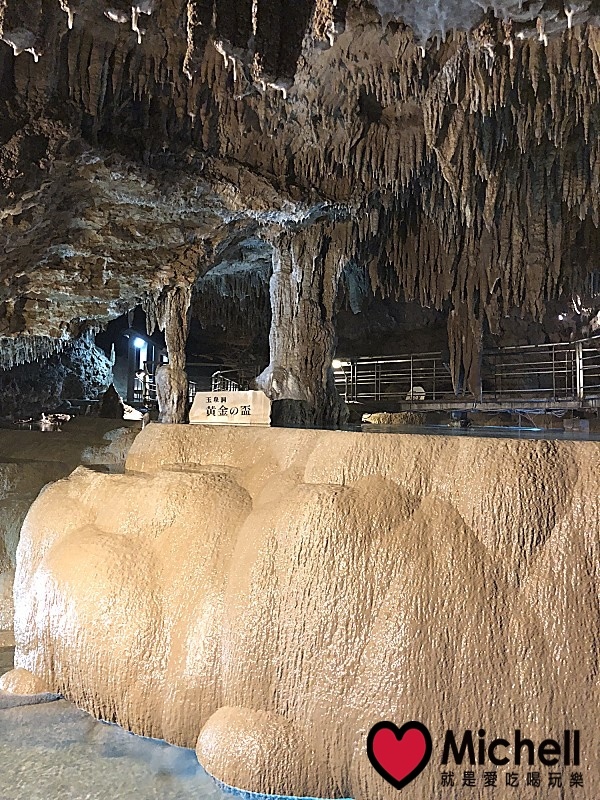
(31, 459)
(288, 589)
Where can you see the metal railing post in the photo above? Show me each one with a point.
(579, 370)
(499, 393)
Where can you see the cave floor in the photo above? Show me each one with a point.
(54, 751)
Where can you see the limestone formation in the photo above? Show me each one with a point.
(20, 681)
(170, 312)
(307, 267)
(452, 149)
(111, 406)
(20, 688)
(30, 460)
(80, 371)
(401, 418)
(172, 394)
(273, 594)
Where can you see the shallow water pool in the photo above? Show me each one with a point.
(54, 751)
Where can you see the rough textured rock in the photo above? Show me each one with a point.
(170, 312)
(401, 418)
(111, 406)
(20, 688)
(288, 589)
(7, 609)
(172, 394)
(306, 270)
(20, 681)
(140, 146)
(80, 371)
(29, 460)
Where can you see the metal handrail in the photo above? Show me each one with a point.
(222, 384)
(147, 394)
(543, 345)
(558, 371)
(235, 380)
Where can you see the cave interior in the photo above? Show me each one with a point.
(380, 216)
(270, 187)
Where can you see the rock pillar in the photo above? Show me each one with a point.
(299, 378)
(465, 341)
(171, 379)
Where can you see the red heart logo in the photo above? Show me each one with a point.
(399, 754)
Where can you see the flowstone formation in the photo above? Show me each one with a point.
(30, 460)
(447, 152)
(272, 594)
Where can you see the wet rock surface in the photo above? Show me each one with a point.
(29, 460)
(289, 589)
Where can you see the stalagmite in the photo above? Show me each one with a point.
(306, 269)
(170, 312)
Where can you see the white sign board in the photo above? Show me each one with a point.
(231, 408)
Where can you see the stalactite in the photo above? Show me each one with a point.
(238, 300)
(472, 170)
(18, 350)
(465, 336)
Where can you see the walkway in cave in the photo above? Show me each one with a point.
(537, 378)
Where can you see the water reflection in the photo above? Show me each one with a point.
(486, 432)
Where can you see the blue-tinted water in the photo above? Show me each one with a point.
(487, 432)
(54, 751)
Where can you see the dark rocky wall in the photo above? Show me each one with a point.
(80, 372)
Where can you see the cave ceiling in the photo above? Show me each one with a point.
(447, 152)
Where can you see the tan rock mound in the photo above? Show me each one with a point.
(21, 681)
(269, 595)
